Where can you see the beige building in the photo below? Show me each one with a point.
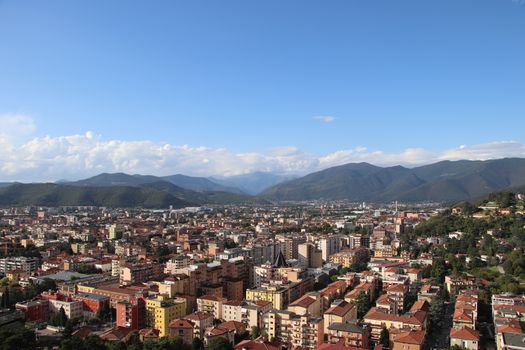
(211, 304)
(303, 331)
(310, 256)
(311, 304)
(465, 337)
(340, 311)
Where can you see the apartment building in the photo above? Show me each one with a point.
(161, 310)
(303, 331)
(22, 263)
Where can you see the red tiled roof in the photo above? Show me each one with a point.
(198, 316)
(181, 323)
(465, 333)
(417, 318)
(303, 301)
(149, 333)
(256, 344)
(340, 345)
(341, 309)
(419, 305)
(411, 337)
(514, 326)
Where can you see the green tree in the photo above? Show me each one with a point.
(436, 311)
(384, 337)
(197, 344)
(255, 332)
(220, 343)
(456, 347)
(60, 318)
(362, 303)
(93, 342)
(22, 338)
(104, 312)
(72, 343)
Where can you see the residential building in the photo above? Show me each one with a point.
(161, 310)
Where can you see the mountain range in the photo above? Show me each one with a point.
(446, 181)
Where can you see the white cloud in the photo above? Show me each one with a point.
(80, 156)
(324, 118)
(15, 128)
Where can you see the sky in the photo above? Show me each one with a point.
(212, 88)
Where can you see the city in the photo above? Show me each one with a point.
(262, 175)
(319, 275)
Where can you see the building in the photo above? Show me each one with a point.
(329, 245)
(351, 334)
(22, 263)
(290, 246)
(161, 310)
(232, 310)
(340, 311)
(35, 310)
(183, 329)
(508, 312)
(428, 292)
(72, 308)
(398, 294)
(131, 313)
(277, 295)
(211, 304)
(409, 340)
(11, 319)
(92, 303)
(179, 262)
(310, 256)
(116, 231)
(349, 257)
(303, 331)
(136, 273)
(378, 319)
(465, 337)
(201, 321)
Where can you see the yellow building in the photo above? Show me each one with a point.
(276, 295)
(344, 258)
(161, 310)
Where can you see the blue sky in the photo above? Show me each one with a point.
(250, 77)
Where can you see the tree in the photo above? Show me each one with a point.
(255, 332)
(104, 312)
(384, 337)
(363, 304)
(68, 329)
(22, 338)
(436, 311)
(93, 342)
(456, 347)
(220, 343)
(197, 344)
(72, 343)
(60, 318)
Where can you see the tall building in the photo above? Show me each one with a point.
(116, 231)
(161, 310)
(130, 314)
(26, 264)
(290, 246)
(310, 256)
(303, 331)
(329, 245)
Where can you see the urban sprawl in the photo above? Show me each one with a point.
(313, 275)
